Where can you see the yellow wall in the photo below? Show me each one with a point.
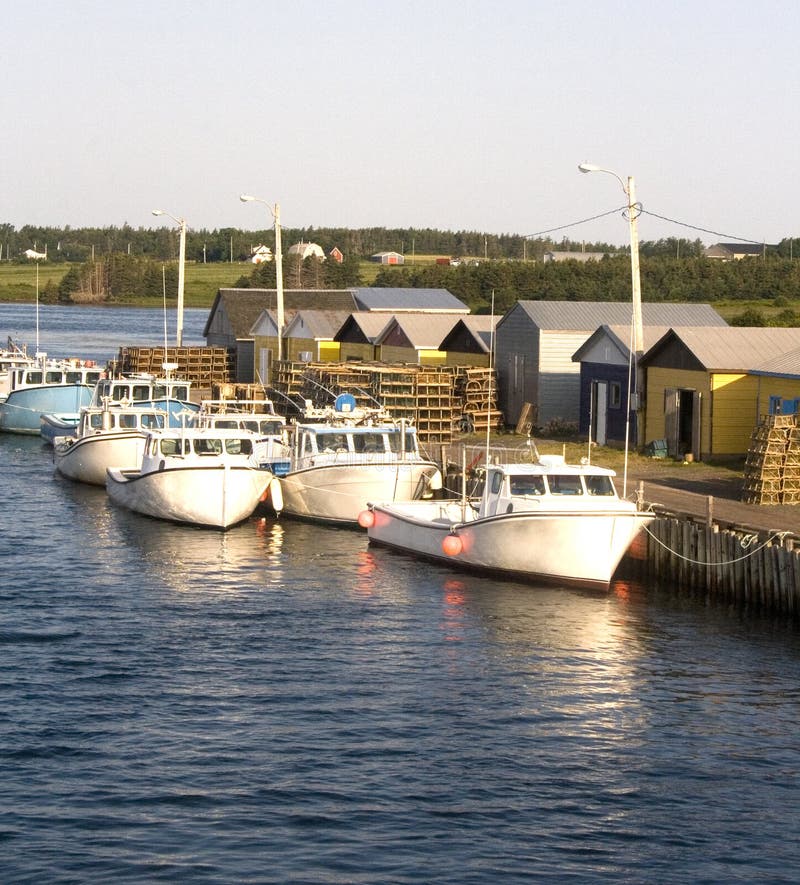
(432, 357)
(658, 380)
(732, 405)
(454, 358)
(329, 351)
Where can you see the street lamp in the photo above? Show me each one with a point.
(181, 270)
(633, 211)
(276, 216)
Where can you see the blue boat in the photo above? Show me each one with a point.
(46, 387)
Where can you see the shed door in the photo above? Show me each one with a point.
(671, 432)
(600, 412)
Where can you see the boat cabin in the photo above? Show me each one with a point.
(125, 420)
(325, 443)
(257, 416)
(39, 375)
(551, 484)
(140, 389)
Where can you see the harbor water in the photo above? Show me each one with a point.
(282, 703)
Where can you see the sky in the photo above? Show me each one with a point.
(450, 115)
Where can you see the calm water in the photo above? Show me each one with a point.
(281, 703)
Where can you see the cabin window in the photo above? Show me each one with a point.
(141, 392)
(527, 485)
(34, 378)
(332, 442)
(497, 482)
(614, 395)
(93, 377)
(227, 424)
(152, 421)
(159, 391)
(271, 427)
(565, 484)
(599, 485)
(96, 420)
(53, 377)
(74, 378)
(395, 440)
(173, 446)
(238, 446)
(127, 421)
(368, 442)
(121, 392)
(208, 446)
(180, 393)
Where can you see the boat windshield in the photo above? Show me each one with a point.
(600, 485)
(565, 484)
(527, 485)
(332, 442)
(396, 441)
(368, 443)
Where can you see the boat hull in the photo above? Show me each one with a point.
(22, 410)
(575, 548)
(218, 496)
(87, 459)
(337, 493)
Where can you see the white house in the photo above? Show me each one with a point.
(260, 254)
(33, 255)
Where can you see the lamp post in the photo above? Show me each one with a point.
(276, 217)
(633, 211)
(181, 270)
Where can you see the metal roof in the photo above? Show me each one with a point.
(424, 331)
(580, 316)
(320, 324)
(734, 348)
(620, 337)
(401, 299)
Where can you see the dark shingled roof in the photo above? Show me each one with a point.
(244, 306)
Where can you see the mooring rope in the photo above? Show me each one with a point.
(744, 542)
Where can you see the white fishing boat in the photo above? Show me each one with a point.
(205, 477)
(256, 416)
(107, 436)
(548, 521)
(341, 460)
(11, 358)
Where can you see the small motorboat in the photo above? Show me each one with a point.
(548, 521)
(106, 436)
(341, 460)
(202, 476)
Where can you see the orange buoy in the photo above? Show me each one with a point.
(451, 545)
(366, 519)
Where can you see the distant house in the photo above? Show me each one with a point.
(387, 258)
(574, 256)
(706, 393)
(469, 342)
(33, 255)
(260, 254)
(336, 255)
(735, 251)
(307, 250)
(535, 342)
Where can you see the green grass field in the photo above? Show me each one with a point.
(18, 283)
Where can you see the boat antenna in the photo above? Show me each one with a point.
(491, 373)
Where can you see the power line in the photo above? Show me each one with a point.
(704, 230)
(574, 223)
(644, 211)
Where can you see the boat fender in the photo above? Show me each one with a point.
(366, 519)
(452, 545)
(276, 494)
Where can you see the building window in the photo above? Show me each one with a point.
(614, 395)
